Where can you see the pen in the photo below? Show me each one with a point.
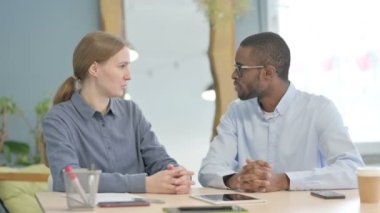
(74, 180)
(91, 184)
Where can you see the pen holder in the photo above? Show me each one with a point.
(81, 187)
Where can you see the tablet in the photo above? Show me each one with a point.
(229, 198)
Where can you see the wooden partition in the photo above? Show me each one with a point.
(222, 56)
(112, 16)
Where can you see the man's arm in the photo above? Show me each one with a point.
(340, 154)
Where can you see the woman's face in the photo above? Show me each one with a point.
(113, 74)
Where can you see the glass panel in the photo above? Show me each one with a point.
(336, 52)
(171, 73)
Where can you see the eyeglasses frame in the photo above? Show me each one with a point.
(239, 68)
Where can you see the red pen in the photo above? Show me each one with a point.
(74, 180)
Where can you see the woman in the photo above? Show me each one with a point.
(90, 126)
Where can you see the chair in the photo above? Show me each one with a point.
(18, 186)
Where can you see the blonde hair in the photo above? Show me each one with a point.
(93, 47)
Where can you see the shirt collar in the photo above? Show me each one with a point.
(85, 109)
(112, 108)
(286, 100)
(282, 106)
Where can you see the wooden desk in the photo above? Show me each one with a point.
(285, 201)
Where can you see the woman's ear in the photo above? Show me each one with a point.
(93, 70)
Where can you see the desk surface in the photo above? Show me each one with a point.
(285, 201)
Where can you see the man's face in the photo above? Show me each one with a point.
(248, 82)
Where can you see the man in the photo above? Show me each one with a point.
(277, 137)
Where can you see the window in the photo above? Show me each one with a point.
(336, 53)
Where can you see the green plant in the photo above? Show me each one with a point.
(41, 109)
(17, 153)
(7, 106)
(215, 11)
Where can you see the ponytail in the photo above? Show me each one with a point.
(65, 91)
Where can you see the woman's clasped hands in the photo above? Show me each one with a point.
(173, 180)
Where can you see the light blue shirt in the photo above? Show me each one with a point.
(304, 137)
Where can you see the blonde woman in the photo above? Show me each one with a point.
(91, 126)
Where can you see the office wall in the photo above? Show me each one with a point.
(37, 39)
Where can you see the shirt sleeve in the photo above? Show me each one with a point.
(341, 158)
(154, 154)
(61, 152)
(221, 157)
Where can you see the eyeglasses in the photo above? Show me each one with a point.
(239, 68)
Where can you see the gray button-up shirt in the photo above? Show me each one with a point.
(120, 143)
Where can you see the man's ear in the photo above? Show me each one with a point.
(94, 68)
(270, 71)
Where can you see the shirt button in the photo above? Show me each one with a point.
(109, 147)
(103, 124)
